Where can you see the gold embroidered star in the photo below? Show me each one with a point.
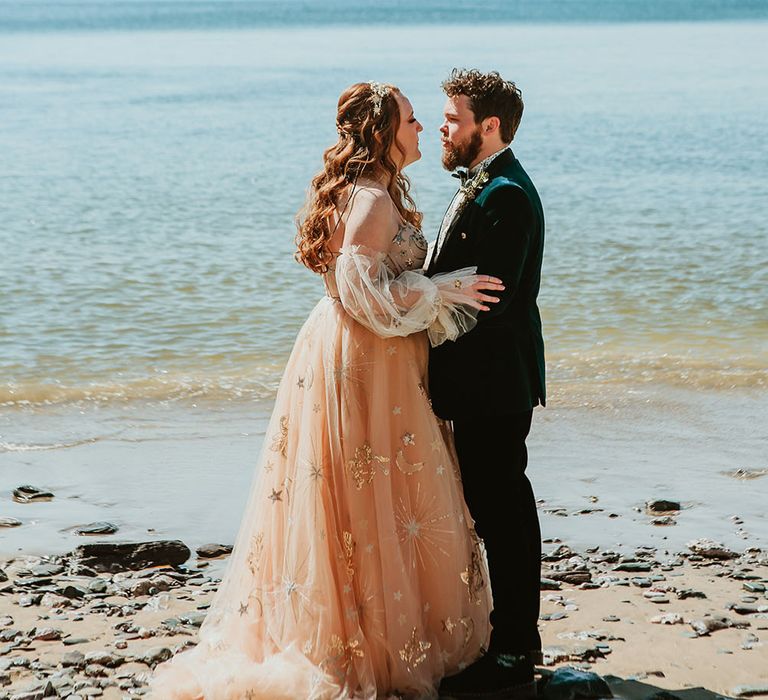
(398, 595)
(435, 445)
(391, 350)
(316, 408)
(300, 382)
(440, 470)
(276, 496)
(347, 588)
(369, 548)
(409, 439)
(396, 411)
(242, 609)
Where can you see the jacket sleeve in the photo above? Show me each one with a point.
(504, 247)
(399, 305)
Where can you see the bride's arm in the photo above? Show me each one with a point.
(445, 305)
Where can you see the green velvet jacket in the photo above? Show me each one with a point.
(498, 367)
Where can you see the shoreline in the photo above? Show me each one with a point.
(641, 618)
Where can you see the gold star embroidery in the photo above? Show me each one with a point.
(435, 445)
(414, 652)
(276, 496)
(300, 382)
(280, 441)
(316, 408)
(362, 466)
(440, 470)
(409, 439)
(391, 350)
(242, 609)
(398, 596)
(396, 411)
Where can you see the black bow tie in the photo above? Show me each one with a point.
(462, 174)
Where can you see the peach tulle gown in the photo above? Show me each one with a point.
(356, 572)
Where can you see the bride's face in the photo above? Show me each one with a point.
(407, 135)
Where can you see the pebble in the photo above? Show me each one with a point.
(9, 522)
(30, 494)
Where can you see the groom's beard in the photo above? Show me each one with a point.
(462, 155)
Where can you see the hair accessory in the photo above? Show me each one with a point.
(379, 92)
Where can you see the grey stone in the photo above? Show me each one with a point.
(711, 550)
(103, 556)
(73, 658)
(749, 691)
(633, 566)
(9, 522)
(210, 551)
(47, 634)
(570, 683)
(662, 506)
(29, 494)
(98, 528)
(156, 655)
(104, 658)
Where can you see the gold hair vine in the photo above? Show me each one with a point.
(379, 92)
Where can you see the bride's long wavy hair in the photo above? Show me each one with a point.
(367, 132)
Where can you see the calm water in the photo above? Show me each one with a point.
(154, 154)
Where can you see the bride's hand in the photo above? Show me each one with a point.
(474, 291)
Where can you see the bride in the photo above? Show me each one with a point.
(356, 572)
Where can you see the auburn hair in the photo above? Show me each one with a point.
(367, 120)
(489, 96)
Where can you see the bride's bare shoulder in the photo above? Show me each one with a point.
(372, 219)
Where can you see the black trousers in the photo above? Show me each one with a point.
(493, 458)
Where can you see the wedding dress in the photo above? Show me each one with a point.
(356, 572)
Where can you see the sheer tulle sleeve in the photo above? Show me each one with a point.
(410, 302)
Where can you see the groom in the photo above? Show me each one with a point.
(489, 380)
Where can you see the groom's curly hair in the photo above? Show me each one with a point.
(489, 96)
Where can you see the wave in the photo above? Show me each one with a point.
(565, 370)
(26, 447)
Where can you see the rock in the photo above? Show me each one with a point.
(668, 619)
(690, 593)
(549, 584)
(6, 621)
(47, 634)
(9, 522)
(711, 550)
(98, 585)
(666, 520)
(30, 494)
(570, 683)
(104, 658)
(48, 569)
(3, 576)
(633, 566)
(194, 618)
(52, 600)
(746, 473)
(753, 587)
(641, 582)
(210, 551)
(102, 556)
(707, 625)
(98, 528)
(662, 506)
(73, 658)
(70, 590)
(156, 655)
(71, 641)
(749, 691)
(573, 577)
(611, 618)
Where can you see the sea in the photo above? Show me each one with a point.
(153, 158)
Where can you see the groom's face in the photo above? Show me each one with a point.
(461, 136)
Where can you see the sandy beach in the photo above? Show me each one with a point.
(654, 621)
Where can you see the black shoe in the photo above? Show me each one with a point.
(492, 677)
